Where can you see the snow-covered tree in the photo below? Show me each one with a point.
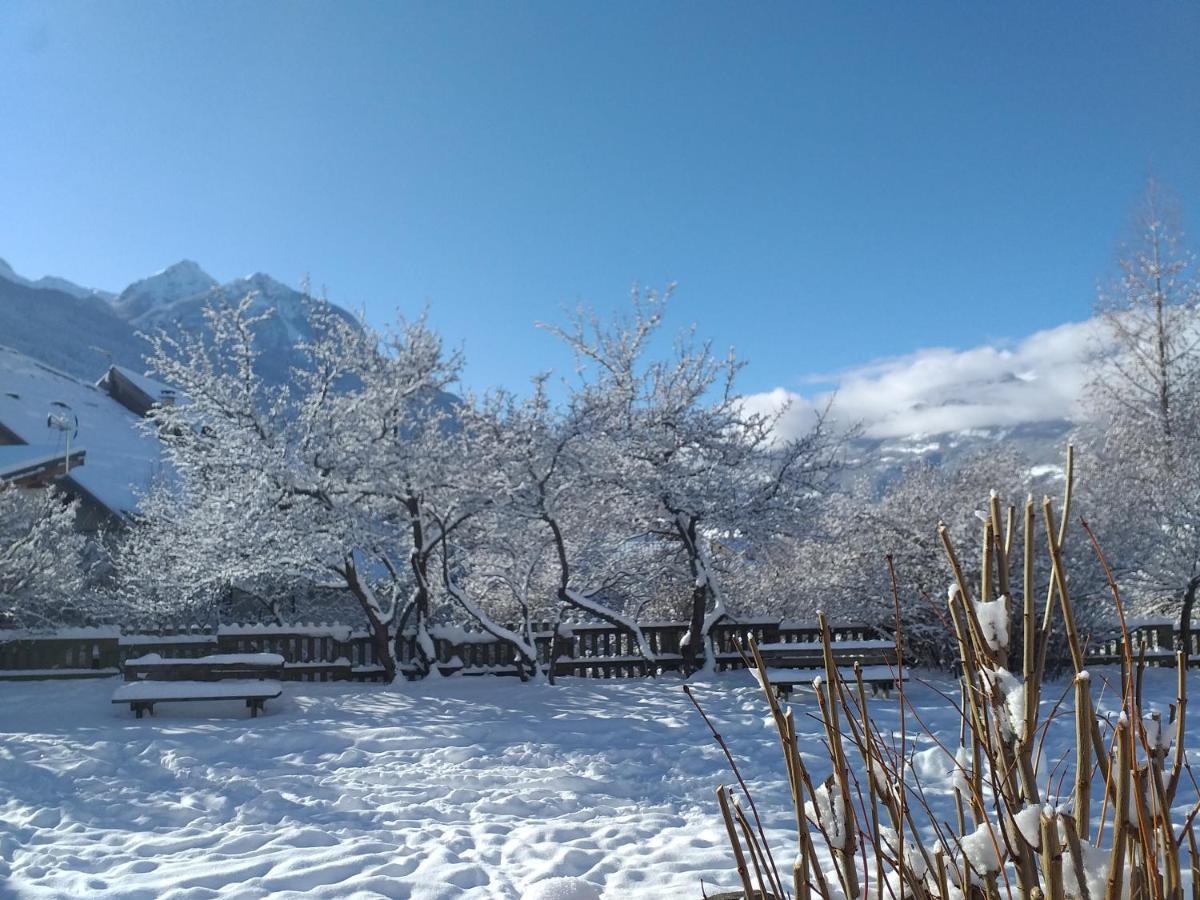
(549, 461)
(44, 560)
(673, 436)
(312, 480)
(1148, 396)
(842, 567)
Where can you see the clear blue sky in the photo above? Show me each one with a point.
(828, 183)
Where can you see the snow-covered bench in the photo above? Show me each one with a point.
(788, 665)
(253, 677)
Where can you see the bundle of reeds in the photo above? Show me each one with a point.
(1014, 833)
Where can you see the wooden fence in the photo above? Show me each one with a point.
(332, 652)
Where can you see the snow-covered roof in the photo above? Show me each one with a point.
(144, 383)
(121, 459)
(136, 392)
(19, 460)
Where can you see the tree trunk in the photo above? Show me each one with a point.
(380, 635)
(693, 648)
(1185, 617)
(419, 560)
(382, 642)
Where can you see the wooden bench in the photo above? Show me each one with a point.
(792, 664)
(253, 677)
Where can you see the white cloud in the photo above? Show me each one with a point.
(938, 390)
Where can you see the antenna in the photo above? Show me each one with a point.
(62, 418)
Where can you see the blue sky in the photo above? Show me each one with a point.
(828, 183)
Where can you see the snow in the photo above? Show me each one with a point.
(176, 282)
(475, 788)
(1011, 691)
(18, 458)
(120, 458)
(93, 632)
(1160, 735)
(136, 639)
(561, 889)
(993, 622)
(228, 659)
(847, 674)
(1029, 825)
(960, 777)
(153, 389)
(180, 690)
(980, 848)
(585, 602)
(829, 809)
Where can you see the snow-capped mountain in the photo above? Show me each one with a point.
(941, 404)
(51, 282)
(178, 282)
(174, 301)
(82, 330)
(1041, 445)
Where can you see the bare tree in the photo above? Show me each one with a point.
(1147, 397)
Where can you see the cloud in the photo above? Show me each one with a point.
(939, 390)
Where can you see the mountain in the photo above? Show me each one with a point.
(52, 282)
(178, 282)
(942, 404)
(77, 334)
(174, 301)
(82, 331)
(1041, 445)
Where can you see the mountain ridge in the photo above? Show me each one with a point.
(83, 330)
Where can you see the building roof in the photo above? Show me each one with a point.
(121, 460)
(136, 392)
(24, 464)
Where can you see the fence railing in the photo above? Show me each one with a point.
(338, 652)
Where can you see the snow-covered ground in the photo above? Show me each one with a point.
(476, 788)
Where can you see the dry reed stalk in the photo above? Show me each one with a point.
(1083, 742)
(731, 830)
(1012, 845)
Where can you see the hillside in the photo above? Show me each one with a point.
(82, 331)
(77, 334)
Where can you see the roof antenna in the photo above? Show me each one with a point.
(63, 419)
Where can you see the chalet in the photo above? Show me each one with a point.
(86, 438)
